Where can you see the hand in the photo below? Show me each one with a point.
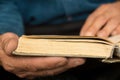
(30, 67)
(103, 22)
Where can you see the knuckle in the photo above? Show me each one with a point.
(10, 35)
(8, 68)
(55, 64)
(104, 5)
(103, 17)
(30, 68)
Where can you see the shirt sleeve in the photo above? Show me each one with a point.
(10, 18)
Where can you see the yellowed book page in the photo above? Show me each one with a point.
(46, 47)
(115, 39)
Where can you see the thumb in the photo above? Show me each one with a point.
(9, 42)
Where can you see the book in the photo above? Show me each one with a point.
(69, 46)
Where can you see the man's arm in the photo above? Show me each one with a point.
(10, 18)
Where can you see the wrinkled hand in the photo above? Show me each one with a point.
(30, 67)
(103, 22)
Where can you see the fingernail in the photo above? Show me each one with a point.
(89, 34)
(6, 47)
(79, 62)
(100, 35)
(10, 46)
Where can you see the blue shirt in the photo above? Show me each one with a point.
(15, 13)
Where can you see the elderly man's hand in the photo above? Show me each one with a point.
(103, 22)
(30, 67)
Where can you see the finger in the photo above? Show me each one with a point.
(54, 62)
(96, 26)
(73, 62)
(116, 31)
(87, 24)
(108, 28)
(26, 64)
(8, 42)
(42, 73)
(90, 20)
(48, 62)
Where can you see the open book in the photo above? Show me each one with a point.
(69, 46)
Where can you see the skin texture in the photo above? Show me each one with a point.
(31, 67)
(103, 22)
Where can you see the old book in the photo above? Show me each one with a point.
(69, 46)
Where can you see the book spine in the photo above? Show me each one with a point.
(115, 55)
(116, 51)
